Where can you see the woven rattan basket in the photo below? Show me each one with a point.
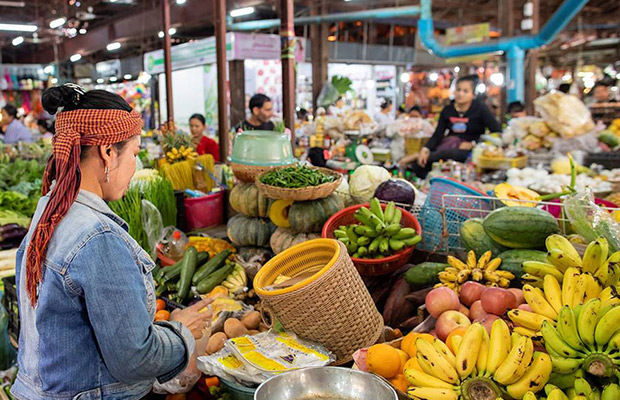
(301, 194)
(332, 307)
(249, 173)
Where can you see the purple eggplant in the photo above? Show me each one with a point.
(397, 308)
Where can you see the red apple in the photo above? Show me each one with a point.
(470, 292)
(464, 310)
(487, 321)
(525, 307)
(497, 300)
(433, 332)
(518, 294)
(449, 321)
(441, 299)
(476, 311)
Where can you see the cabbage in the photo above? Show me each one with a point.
(365, 180)
(343, 192)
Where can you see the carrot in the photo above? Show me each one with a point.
(212, 381)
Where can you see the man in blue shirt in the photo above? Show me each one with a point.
(14, 130)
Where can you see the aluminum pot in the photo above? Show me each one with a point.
(325, 383)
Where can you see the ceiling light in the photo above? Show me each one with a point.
(369, 84)
(72, 31)
(18, 27)
(497, 79)
(160, 34)
(331, 38)
(112, 1)
(75, 57)
(113, 79)
(18, 40)
(57, 23)
(172, 31)
(482, 88)
(49, 69)
(404, 77)
(100, 80)
(181, 2)
(127, 76)
(83, 31)
(457, 69)
(433, 76)
(54, 81)
(113, 46)
(18, 4)
(242, 11)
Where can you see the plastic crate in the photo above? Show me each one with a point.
(609, 160)
(9, 301)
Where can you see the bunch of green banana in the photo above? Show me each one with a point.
(562, 256)
(586, 337)
(236, 282)
(379, 233)
(581, 390)
(491, 364)
(483, 270)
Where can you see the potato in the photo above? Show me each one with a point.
(251, 320)
(254, 332)
(262, 327)
(216, 342)
(234, 328)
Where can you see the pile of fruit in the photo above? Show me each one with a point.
(483, 270)
(379, 233)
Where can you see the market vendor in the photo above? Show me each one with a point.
(338, 108)
(460, 125)
(384, 116)
(203, 143)
(46, 128)
(14, 130)
(261, 112)
(516, 109)
(85, 291)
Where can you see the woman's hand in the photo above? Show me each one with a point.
(193, 318)
(466, 146)
(406, 160)
(423, 158)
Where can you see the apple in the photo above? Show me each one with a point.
(476, 311)
(470, 292)
(440, 300)
(525, 307)
(433, 332)
(518, 294)
(449, 321)
(464, 310)
(487, 321)
(497, 300)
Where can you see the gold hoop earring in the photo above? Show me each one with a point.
(107, 174)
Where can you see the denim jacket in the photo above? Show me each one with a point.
(91, 334)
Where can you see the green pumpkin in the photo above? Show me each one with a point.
(284, 238)
(245, 198)
(310, 216)
(247, 231)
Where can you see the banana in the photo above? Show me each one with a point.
(456, 263)
(568, 286)
(556, 394)
(482, 261)
(567, 328)
(514, 339)
(541, 269)
(445, 352)
(562, 260)
(462, 276)
(614, 343)
(483, 353)
(529, 396)
(563, 365)
(376, 209)
(527, 319)
(398, 215)
(388, 213)
(426, 393)
(593, 288)
(553, 292)
(504, 283)
(472, 263)
(515, 364)
(532, 280)
(580, 290)
(559, 242)
(419, 378)
(468, 350)
(499, 345)
(493, 264)
(613, 265)
(491, 276)
(505, 274)
(611, 392)
(586, 323)
(595, 255)
(534, 378)
(554, 342)
(425, 365)
(476, 275)
(439, 366)
(445, 276)
(536, 299)
(525, 332)
(583, 388)
(607, 326)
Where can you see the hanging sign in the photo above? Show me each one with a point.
(468, 34)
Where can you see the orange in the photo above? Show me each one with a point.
(412, 363)
(408, 343)
(400, 382)
(403, 358)
(457, 332)
(162, 315)
(160, 305)
(384, 360)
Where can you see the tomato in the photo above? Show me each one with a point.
(162, 315)
(160, 305)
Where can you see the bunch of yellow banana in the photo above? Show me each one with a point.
(483, 363)
(484, 270)
(581, 390)
(237, 281)
(180, 154)
(563, 257)
(586, 336)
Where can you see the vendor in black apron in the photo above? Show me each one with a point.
(460, 125)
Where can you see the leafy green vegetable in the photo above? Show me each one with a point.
(296, 177)
(12, 217)
(342, 83)
(14, 201)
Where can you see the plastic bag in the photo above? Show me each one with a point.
(185, 381)
(224, 308)
(592, 221)
(8, 353)
(328, 96)
(565, 114)
(153, 225)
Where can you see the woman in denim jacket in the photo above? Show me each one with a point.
(85, 290)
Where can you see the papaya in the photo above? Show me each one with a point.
(520, 227)
(473, 237)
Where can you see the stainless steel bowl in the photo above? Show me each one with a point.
(325, 383)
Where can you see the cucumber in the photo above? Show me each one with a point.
(214, 279)
(174, 271)
(210, 266)
(202, 257)
(188, 267)
(425, 274)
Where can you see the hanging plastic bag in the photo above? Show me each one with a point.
(185, 381)
(591, 221)
(153, 225)
(8, 353)
(328, 95)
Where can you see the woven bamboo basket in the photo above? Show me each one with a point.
(301, 194)
(332, 307)
(249, 173)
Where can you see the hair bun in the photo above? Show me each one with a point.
(57, 98)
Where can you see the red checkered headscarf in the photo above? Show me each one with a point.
(82, 127)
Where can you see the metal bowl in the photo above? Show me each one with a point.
(325, 383)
